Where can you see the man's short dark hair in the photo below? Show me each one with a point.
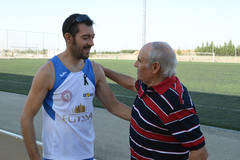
(70, 25)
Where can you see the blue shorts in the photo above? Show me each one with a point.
(83, 159)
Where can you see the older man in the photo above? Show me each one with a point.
(164, 124)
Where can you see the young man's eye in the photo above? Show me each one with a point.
(85, 37)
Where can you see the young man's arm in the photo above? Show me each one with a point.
(200, 154)
(106, 96)
(123, 80)
(40, 86)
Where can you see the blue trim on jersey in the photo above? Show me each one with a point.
(61, 73)
(47, 105)
(88, 70)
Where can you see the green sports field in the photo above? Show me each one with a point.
(214, 87)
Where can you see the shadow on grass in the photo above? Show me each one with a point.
(15, 83)
(213, 109)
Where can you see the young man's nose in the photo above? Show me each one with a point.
(135, 64)
(90, 42)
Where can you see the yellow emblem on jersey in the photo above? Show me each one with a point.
(80, 108)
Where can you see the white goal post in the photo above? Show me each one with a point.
(206, 54)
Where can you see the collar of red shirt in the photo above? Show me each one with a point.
(165, 84)
(170, 82)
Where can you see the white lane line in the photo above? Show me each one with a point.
(17, 136)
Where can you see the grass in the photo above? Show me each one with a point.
(219, 78)
(214, 87)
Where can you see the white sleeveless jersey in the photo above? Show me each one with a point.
(67, 114)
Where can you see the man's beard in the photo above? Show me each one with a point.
(77, 53)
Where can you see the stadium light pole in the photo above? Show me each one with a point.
(144, 23)
(26, 40)
(43, 38)
(7, 38)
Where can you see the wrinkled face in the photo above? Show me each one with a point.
(82, 42)
(144, 71)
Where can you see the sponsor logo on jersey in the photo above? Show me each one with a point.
(77, 118)
(62, 74)
(66, 96)
(87, 94)
(80, 108)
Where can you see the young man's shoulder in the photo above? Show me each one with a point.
(98, 70)
(94, 65)
(45, 74)
(46, 68)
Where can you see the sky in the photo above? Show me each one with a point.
(184, 24)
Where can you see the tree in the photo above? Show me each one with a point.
(231, 48)
(179, 51)
(211, 47)
(238, 50)
(227, 49)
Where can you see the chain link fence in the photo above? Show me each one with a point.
(16, 43)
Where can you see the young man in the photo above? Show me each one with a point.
(65, 87)
(164, 124)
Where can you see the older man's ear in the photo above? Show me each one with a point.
(156, 67)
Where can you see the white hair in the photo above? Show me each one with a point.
(162, 53)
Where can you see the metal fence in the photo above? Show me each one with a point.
(18, 41)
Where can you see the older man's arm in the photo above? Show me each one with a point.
(106, 96)
(123, 80)
(200, 154)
